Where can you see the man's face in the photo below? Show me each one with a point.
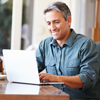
(57, 26)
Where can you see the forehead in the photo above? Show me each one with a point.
(53, 15)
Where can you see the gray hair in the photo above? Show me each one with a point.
(60, 7)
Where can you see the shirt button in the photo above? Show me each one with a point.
(93, 75)
(64, 45)
(71, 64)
(58, 61)
(48, 63)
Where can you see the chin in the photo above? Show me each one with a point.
(56, 38)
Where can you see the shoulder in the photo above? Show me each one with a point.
(46, 41)
(79, 39)
(83, 43)
(87, 45)
(83, 40)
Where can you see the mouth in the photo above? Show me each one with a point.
(54, 33)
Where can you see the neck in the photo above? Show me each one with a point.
(61, 42)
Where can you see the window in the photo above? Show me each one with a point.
(27, 23)
(5, 24)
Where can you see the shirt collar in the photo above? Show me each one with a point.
(54, 42)
(69, 41)
(71, 38)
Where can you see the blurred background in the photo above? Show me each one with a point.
(22, 24)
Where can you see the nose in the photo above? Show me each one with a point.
(53, 27)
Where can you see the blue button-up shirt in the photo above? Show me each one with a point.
(77, 56)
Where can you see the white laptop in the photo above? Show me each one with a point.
(21, 66)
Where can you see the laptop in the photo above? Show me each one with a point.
(21, 67)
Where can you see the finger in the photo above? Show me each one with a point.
(45, 79)
(42, 77)
(42, 73)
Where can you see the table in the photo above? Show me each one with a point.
(15, 91)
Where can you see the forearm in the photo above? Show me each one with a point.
(71, 81)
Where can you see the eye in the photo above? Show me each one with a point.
(48, 23)
(56, 22)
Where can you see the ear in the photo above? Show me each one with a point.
(69, 20)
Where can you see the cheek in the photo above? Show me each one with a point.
(48, 28)
(64, 28)
(60, 26)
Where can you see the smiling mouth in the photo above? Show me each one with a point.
(54, 32)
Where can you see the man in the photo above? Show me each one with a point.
(68, 57)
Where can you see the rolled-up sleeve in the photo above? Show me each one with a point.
(89, 67)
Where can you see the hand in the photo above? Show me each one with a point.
(47, 77)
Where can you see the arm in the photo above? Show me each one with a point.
(89, 69)
(40, 57)
(69, 81)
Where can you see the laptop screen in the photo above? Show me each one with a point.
(20, 66)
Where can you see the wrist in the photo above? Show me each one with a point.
(58, 78)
